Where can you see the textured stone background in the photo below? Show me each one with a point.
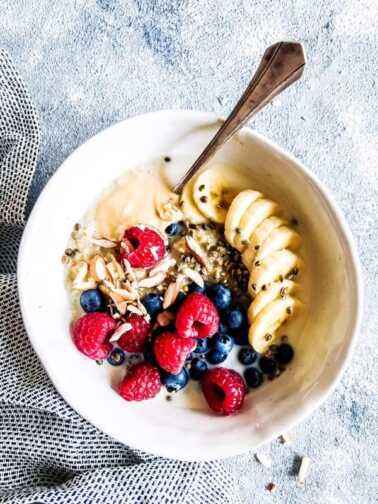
(89, 63)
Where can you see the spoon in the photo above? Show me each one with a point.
(282, 64)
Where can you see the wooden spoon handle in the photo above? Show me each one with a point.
(281, 65)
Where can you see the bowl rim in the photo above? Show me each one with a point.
(343, 229)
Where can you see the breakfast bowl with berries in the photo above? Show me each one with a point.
(196, 325)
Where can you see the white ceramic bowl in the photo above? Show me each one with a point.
(322, 351)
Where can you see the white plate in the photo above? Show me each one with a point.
(160, 427)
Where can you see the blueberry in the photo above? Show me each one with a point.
(117, 357)
(220, 296)
(268, 366)
(197, 369)
(193, 287)
(247, 355)
(202, 346)
(153, 303)
(215, 357)
(174, 229)
(241, 336)
(179, 300)
(174, 383)
(285, 353)
(235, 318)
(92, 301)
(253, 377)
(222, 343)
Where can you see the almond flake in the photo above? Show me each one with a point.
(263, 459)
(126, 294)
(120, 303)
(134, 309)
(152, 281)
(163, 266)
(165, 318)
(81, 274)
(113, 271)
(97, 268)
(171, 294)
(195, 276)
(140, 273)
(303, 470)
(120, 331)
(196, 250)
(102, 242)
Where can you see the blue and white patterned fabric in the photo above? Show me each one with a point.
(48, 453)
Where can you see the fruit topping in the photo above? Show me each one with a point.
(224, 390)
(171, 351)
(141, 382)
(91, 333)
(135, 338)
(144, 247)
(197, 317)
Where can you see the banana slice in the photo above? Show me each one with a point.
(273, 291)
(262, 331)
(188, 207)
(215, 188)
(276, 265)
(255, 215)
(262, 231)
(238, 207)
(280, 238)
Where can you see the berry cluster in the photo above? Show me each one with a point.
(206, 327)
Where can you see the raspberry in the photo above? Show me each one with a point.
(197, 317)
(145, 247)
(141, 382)
(171, 351)
(224, 390)
(91, 332)
(134, 339)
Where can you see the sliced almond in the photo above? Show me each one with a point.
(97, 269)
(134, 309)
(196, 250)
(119, 301)
(165, 318)
(113, 271)
(126, 294)
(152, 281)
(120, 331)
(102, 242)
(81, 274)
(163, 266)
(303, 470)
(195, 276)
(140, 273)
(117, 266)
(171, 294)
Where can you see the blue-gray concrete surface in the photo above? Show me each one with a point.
(89, 63)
